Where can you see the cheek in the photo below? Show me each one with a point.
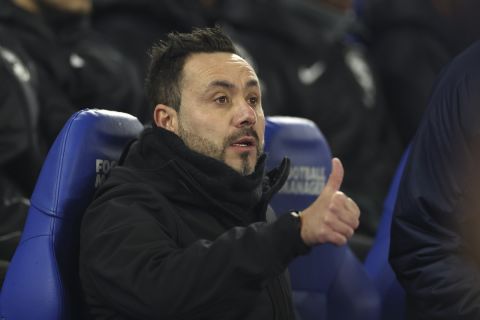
(209, 129)
(260, 115)
(260, 125)
(214, 134)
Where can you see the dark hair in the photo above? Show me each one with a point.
(168, 58)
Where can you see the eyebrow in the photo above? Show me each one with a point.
(228, 85)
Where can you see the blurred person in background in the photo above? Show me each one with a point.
(52, 64)
(410, 42)
(22, 147)
(134, 26)
(435, 239)
(83, 69)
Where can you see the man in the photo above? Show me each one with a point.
(178, 230)
(435, 241)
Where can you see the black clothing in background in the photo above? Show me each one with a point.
(309, 68)
(22, 148)
(173, 234)
(135, 26)
(434, 247)
(22, 142)
(410, 42)
(77, 68)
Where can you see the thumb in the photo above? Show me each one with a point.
(336, 176)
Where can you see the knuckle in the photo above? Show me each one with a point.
(356, 224)
(323, 231)
(323, 235)
(338, 240)
(321, 238)
(332, 207)
(350, 233)
(340, 196)
(327, 219)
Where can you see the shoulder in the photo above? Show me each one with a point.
(124, 197)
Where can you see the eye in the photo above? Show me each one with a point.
(253, 101)
(222, 100)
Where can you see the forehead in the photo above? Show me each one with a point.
(207, 67)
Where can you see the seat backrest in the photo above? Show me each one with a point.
(376, 263)
(42, 279)
(329, 282)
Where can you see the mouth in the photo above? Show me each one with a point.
(245, 142)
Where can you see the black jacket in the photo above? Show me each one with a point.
(434, 248)
(173, 234)
(22, 145)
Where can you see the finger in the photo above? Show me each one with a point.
(345, 209)
(354, 211)
(353, 207)
(336, 177)
(347, 217)
(337, 239)
(338, 226)
(340, 200)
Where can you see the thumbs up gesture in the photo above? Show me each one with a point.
(333, 216)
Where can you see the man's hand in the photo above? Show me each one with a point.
(333, 216)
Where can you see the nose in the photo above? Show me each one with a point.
(246, 115)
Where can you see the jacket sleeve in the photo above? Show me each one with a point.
(137, 265)
(433, 248)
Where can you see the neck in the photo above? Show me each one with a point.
(28, 5)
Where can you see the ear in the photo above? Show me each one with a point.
(166, 117)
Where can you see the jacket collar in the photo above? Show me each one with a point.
(194, 179)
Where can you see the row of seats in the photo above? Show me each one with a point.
(42, 281)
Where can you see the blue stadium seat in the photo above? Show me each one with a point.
(330, 282)
(376, 263)
(42, 280)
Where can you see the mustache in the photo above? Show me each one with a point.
(241, 133)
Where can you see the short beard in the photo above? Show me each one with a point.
(246, 168)
(210, 149)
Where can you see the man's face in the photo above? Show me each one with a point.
(221, 114)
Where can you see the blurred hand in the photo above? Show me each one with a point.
(333, 216)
